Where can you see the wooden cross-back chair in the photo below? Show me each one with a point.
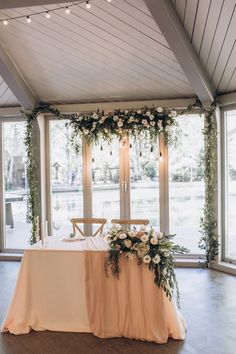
(130, 221)
(100, 221)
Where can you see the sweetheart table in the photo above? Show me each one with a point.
(62, 286)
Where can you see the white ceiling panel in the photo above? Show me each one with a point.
(211, 27)
(7, 99)
(112, 52)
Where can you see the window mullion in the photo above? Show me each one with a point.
(164, 185)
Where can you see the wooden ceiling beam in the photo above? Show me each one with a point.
(171, 27)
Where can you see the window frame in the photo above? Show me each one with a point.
(224, 183)
(4, 249)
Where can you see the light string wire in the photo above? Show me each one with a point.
(47, 13)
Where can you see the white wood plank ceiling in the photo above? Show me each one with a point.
(116, 52)
(211, 27)
(7, 99)
(112, 52)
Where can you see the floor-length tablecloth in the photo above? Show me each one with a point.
(63, 287)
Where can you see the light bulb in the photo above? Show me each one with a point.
(109, 0)
(28, 19)
(161, 157)
(67, 10)
(88, 5)
(5, 22)
(48, 15)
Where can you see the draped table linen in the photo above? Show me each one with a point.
(63, 287)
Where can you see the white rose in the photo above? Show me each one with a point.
(147, 259)
(159, 109)
(120, 123)
(152, 124)
(173, 113)
(159, 123)
(166, 254)
(86, 131)
(154, 241)
(148, 113)
(164, 272)
(126, 111)
(132, 234)
(115, 118)
(122, 236)
(142, 227)
(131, 119)
(144, 238)
(151, 117)
(144, 121)
(160, 234)
(156, 259)
(80, 118)
(139, 111)
(95, 116)
(128, 243)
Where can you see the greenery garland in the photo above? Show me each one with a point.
(149, 121)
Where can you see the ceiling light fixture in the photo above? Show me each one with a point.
(67, 10)
(88, 5)
(28, 19)
(48, 15)
(5, 22)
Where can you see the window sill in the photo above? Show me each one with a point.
(10, 256)
(224, 267)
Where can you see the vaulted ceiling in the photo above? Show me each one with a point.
(115, 51)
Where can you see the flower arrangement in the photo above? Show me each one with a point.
(101, 125)
(156, 250)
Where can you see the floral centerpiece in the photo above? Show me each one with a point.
(156, 250)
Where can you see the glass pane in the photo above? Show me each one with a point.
(106, 180)
(231, 176)
(17, 229)
(186, 183)
(66, 179)
(144, 181)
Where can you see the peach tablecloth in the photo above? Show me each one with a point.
(63, 287)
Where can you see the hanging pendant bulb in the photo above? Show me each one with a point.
(161, 157)
(5, 22)
(140, 153)
(151, 148)
(48, 15)
(67, 10)
(110, 153)
(28, 19)
(130, 146)
(93, 160)
(101, 148)
(88, 5)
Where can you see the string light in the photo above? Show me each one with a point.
(47, 13)
(67, 10)
(88, 5)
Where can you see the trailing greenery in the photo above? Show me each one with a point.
(33, 192)
(156, 250)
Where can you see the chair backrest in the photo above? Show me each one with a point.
(100, 221)
(130, 221)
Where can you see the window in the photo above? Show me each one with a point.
(66, 179)
(144, 181)
(186, 183)
(17, 227)
(230, 187)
